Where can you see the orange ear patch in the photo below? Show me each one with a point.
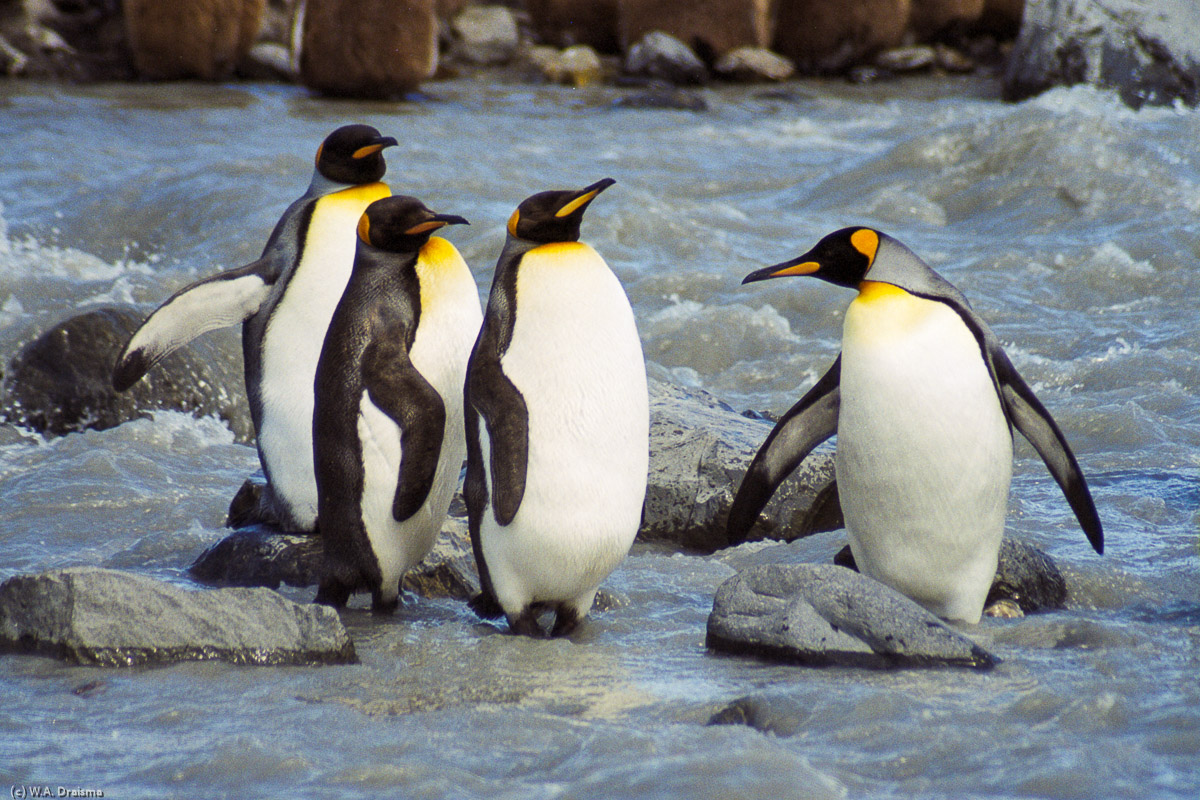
(364, 228)
(512, 222)
(865, 241)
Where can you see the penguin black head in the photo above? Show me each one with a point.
(843, 258)
(401, 224)
(353, 154)
(554, 216)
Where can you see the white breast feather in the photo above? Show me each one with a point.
(924, 455)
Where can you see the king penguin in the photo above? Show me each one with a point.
(557, 418)
(388, 423)
(284, 301)
(923, 401)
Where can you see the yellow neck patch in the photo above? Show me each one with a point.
(875, 291)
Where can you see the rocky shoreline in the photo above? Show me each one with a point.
(1147, 50)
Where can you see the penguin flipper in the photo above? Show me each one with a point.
(203, 306)
(808, 423)
(503, 409)
(400, 391)
(1034, 422)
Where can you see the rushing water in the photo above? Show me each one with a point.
(1072, 223)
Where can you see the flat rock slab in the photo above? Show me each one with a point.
(104, 617)
(823, 615)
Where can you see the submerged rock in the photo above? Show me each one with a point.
(104, 617)
(1148, 50)
(822, 615)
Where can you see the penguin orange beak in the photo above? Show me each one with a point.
(584, 197)
(438, 221)
(375, 147)
(797, 266)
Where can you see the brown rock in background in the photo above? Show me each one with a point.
(191, 38)
(569, 22)
(710, 27)
(821, 36)
(368, 48)
(932, 19)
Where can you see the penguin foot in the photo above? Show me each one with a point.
(384, 606)
(566, 620)
(486, 606)
(526, 624)
(333, 593)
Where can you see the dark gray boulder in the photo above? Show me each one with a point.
(824, 615)
(1148, 50)
(89, 615)
(699, 452)
(261, 556)
(663, 57)
(1024, 575)
(61, 381)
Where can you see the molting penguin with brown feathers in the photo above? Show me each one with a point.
(923, 400)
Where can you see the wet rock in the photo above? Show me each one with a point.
(823, 37)
(485, 35)
(576, 22)
(699, 452)
(934, 19)
(261, 556)
(105, 617)
(823, 615)
(751, 64)
(62, 381)
(663, 57)
(1025, 576)
(1148, 50)
(368, 48)
(578, 65)
(1028, 577)
(710, 27)
(202, 39)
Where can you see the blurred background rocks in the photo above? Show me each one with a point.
(1147, 50)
